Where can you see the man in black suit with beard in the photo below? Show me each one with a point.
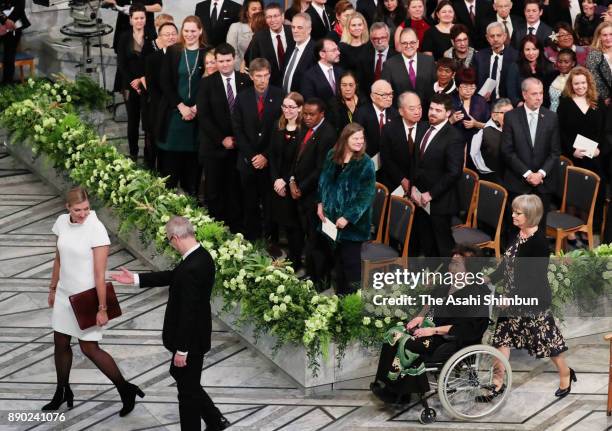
(255, 115)
(273, 43)
(216, 100)
(321, 79)
(373, 58)
(315, 140)
(217, 16)
(438, 166)
(187, 322)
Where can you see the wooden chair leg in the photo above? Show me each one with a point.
(558, 242)
(590, 237)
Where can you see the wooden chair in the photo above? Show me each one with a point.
(489, 211)
(468, 197)
(580, 192)
(609, 408)
(23, 59)
(379, 211)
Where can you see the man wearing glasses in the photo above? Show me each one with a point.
(411, 71)
(320, 80)
(374, 57)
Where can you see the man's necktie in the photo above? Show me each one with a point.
(260, 107)
(472, 16)
(326, 21)
(410, 141)
(494, 73)
(381, 122)
(213, 15)
(531, 30)
(307, 136)
(231, 100)
(412, 74)
(423, 146)
(289, 70)
(533, 125)
(280, 51)
(378, 68)
(332, 80)
(505, 21)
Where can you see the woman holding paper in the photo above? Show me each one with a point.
(346, 191)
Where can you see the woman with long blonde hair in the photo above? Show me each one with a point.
(599, 61)
(354, 41)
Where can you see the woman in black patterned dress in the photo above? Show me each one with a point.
(524, 270)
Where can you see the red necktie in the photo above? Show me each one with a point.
(381, 123)
(307, 136)
(260, 107)
(280, 51)
(378, 69)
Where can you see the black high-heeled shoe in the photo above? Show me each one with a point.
(62, 393)
(491, 395)
(128, 394)
(564, 392)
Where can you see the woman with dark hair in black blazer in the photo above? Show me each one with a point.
(11, 26)
(340, 109)
(177, 136)
(524, 270)
(133, 48)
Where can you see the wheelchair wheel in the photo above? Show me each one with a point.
(467, 376)
(428, 416)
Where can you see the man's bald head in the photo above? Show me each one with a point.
(381, 94)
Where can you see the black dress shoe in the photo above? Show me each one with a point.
(491, 395)
(223, 424)
(128, 393)
(564, 392)
(62, 393)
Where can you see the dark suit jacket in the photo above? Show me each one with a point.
(214, 117)
(18, 12)
(307, 60)
(132, 63)
(187, 321)
(482, 63)
(228, 14)
(366, 116)
(316, 84)
(308, 164)
(368, 9)
(252, 135)
(484, 14)
(396, 161)
(366, 65)
(318, 27)
(520, 31)
(438, 170)
(490, 150)
(520, 155)
(153, 64)
(262, 47)
(395, 72)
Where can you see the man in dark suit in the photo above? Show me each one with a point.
(532, 25)
(322, 18)
(368, 9)
(11, 26)
(374, 116)
(531, 148)
(398, 143)
(255, 114)
(502, 15)
(273, 43)
(495, 61)
(475, 15)
(373, 58)
(411, 71)
(187, 322)
(300, 57)
(320, 80)
(315, 140)
(216, 17)
(438, 166)
(216, 101)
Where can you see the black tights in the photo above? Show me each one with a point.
(91, 349)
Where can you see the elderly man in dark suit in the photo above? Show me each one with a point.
(216, 101)
(411, 71)
(438, 166)
(531, 147)
(374, 57)
(217, 16)
(187, 322)
(533, 10)
(299, 57)
(320, 80)
(255, 114)
(273, 43)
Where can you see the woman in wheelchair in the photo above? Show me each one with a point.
(433, 336)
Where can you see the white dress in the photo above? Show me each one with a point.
(74, 243)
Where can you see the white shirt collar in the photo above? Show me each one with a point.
(378, 112)
(529, 111)
(535, 27)
(438, 127)
(468, 4)
(232, 76)
(280, 33)
(302, 45)
(219, 6)
(191, 250)
(318, 8)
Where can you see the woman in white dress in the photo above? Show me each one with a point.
(80, 263)
(240, 33)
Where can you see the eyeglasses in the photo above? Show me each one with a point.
(411, 43)
(384, 94)
(288, 107)
(468, 86)
(380, 39)
(564, 35)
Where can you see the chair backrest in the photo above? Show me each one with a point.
(491, 204)
(468, 190)
(399, 222)
(581, 187)
(379, 207)
(564, 162)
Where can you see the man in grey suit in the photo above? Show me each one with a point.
(411, 71)
(531, 148)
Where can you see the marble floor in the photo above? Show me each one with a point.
(250, 391)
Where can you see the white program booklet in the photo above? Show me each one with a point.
(376, 160)
(427, 207)
(399, 191)
(584, 143)
(329, 229)
(487, 87)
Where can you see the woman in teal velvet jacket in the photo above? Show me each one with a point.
(346, 190)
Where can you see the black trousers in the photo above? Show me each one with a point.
(319, 257)
(256, 191)
(432, 234)
(134, 110)
(222, 191)
(182, 167)
(348, 267)
(194, 402)
(9, 42)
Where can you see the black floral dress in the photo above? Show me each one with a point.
(536, 332)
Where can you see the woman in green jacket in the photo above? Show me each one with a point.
(346, 190)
